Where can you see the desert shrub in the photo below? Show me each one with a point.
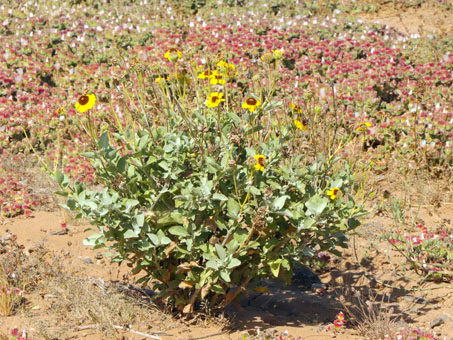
(205, 200)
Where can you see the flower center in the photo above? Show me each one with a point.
(261, 161)
(214, 99)
(84, 100)
(172, 50)
(335, 191)
(207, 73)
(251, 101)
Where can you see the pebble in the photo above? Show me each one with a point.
(87, 260)
(439, 321)
(316, 286)
(99, 256)
(410, 298)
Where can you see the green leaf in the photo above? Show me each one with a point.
(88, 154)
(165, 240)
(233, 208)
(225, 275)
(178, 230)
(308, 223)
(140, 220)
(353, 223)
(121, 165)
(219, 197)
(275, 267)
(234, 263)
(130, 233)
(91, 240)
(279, 202)
(104, 140)
(240, 235)
(255, 191)
(130, 203)
(59, 177)
(154, 239)
(61, 193)
(316, 205)
(214, 264)
(217, 289)
(234, 117)
(220, 251)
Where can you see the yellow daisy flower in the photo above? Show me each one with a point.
(158, 80)
(205, 74)
(334, 193)
(301, 125)
(251, 104)
(260, 159)
(222, 65)
(277, 54)
(215, 98)
(267, 57)
(85, 102)
(173, 54)
(216, 78)
(363, 127)
(295, 108)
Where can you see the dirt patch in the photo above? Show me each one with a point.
(89, 291)
(423, 20)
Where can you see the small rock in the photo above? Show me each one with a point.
(411, 299)
(69, 243)
(316, 286)
(87, 260)
(439, 321)
(99, 256)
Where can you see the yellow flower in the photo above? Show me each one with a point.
(216, 78)
(277, 54)
(251, 104)
(222, 65)
(158, 80)
(334, 193)
(301, 125)
(363, 127)
(85, 102)
(260, 159)
(295, 108)
(205, 74)
(214, 99)
(173, 54)
(267, 57)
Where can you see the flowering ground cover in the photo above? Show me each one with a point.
(366, 92)
(366, 74)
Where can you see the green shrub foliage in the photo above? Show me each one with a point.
(190, 205)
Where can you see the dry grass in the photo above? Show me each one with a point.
(371, 314)
(56, 303)
(77, 301)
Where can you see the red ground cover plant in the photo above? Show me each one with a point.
(358, 73)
